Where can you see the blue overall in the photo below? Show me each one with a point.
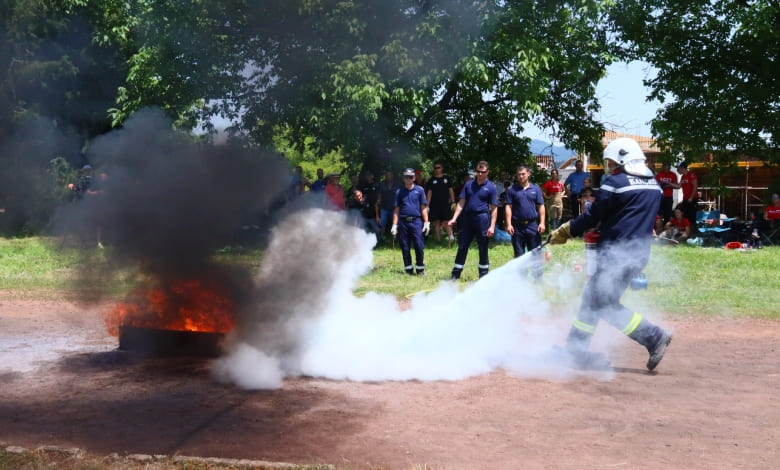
(474, 222)
(410, 203)
(626, 207)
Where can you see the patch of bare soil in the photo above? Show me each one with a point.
(712, 404)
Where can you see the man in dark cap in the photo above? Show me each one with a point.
(410, 222)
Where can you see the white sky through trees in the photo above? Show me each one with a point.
(622, 96)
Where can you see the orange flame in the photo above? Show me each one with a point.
(184, 305)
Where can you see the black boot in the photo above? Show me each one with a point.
(658, 349)
(577, 353)
(654, 339)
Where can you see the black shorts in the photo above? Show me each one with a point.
(440, 212)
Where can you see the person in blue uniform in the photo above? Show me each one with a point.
(410, 222)
(626, 208)
(478, 202)
(525, 217)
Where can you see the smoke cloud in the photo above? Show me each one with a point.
(306, 320)
(165, 202)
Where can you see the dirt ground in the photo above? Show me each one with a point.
(712, 404)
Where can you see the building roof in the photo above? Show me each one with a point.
(646, 143)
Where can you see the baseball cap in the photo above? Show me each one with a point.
(409, 172)
(775, 196)
(682, 165)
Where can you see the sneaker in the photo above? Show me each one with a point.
(657, 351)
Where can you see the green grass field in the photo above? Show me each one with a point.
(681, 279)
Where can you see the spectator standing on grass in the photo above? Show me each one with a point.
(667, 179)
(440, 199)
(689, 183)
(478, 202)
(525, 218)
(574, 184)
(410, 223)
(553, 191)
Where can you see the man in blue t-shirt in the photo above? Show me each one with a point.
(410, 222)
(525, 217)
(478, 202)
(574, 184)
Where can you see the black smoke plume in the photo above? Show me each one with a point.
(164, 203)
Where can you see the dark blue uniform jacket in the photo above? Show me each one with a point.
(626, 206)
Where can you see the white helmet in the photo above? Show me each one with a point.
(628, 154)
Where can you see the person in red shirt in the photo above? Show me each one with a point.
(553, 192)
(678, 228)
(772, 212)
(667, 179)
(689, 183)
(335, 192)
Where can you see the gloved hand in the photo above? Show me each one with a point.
(394, 230)
(560, 235)
(426, 228)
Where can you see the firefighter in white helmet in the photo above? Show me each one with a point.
(625, 211)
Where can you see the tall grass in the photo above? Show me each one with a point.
(681, 279)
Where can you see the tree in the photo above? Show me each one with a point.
(452, 80)
(51, 68)
(56, 85)
(717, 65)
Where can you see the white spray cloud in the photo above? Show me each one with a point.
(307, 321)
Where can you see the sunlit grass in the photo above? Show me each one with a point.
(681, 279)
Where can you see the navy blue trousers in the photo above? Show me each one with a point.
(410, 235)
(471, 227)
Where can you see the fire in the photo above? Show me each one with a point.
(183, 305)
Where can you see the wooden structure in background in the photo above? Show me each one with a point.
(746, 188)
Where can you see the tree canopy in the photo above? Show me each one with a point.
(384, 82)
(453, 80)
(717, 65)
